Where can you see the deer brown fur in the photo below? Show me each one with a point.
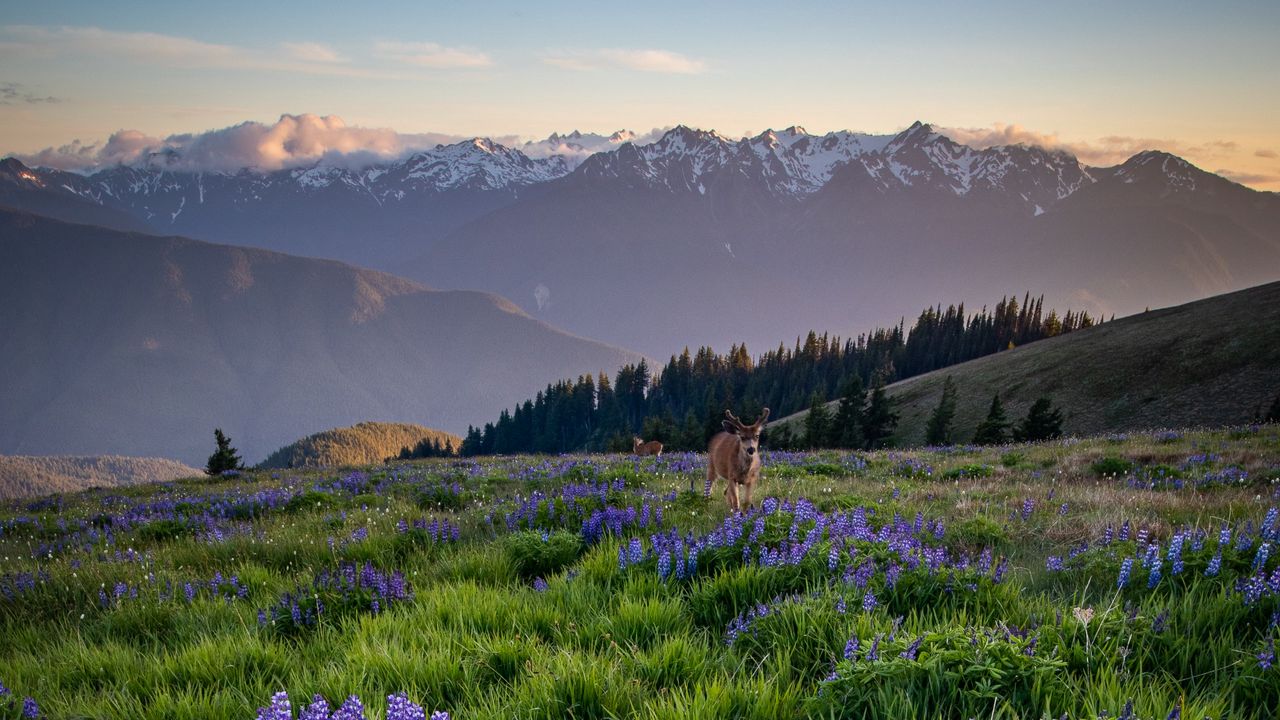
(640, 447)
(734, 455)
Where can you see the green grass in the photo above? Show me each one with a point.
(539, 620)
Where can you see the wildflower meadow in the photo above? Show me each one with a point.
(1133, 576)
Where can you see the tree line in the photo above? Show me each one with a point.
(682, 403)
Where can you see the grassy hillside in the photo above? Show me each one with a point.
(364, 443)
(1206, 363)
(29, 475)
(1022, 582)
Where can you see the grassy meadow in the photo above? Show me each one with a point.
(1122, 576)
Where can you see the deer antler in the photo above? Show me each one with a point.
(734, 420)
(763, 416)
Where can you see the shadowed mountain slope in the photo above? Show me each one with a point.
(120, 343)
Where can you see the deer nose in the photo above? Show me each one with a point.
(751, 451)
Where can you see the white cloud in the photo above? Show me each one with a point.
(1109, 150)
(312, 52)
(168, 50)
(431, 55)
(659, 61)
(291, 141)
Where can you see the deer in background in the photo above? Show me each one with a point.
(735, 456)
(640, 447)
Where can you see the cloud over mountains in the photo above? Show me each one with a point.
(291, 141)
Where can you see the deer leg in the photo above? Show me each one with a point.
(731, 494)
(746, 492)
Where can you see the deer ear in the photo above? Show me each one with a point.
(730, 428)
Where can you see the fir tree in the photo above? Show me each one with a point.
(224, 458)
(992, 430)
(880, 421)
(817, 424)
(939, 428)
(847, 428)
(1043, 422)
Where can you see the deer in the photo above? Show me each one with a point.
(640, 447)
(734, 455)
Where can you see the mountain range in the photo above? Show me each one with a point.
(696, 238)
(123, 343)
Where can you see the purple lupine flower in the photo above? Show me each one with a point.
(869, 602)
(1162, 620)
(840, 606)
(1062, 510)
(1175, 554)
(1127, 712)
(1176, 712)
(280, 708)
(851, 648)
(912, 649)
(1124, 533)
(1001, 567)
(439, 715)
(1154, 578)
(1126, 567)
(1053, 563)
(352, 709)
(4, 691)
(539, 584)
(873, 652)
(1028, 507)
(400, 708)
(1260, 558)
(1268, 655)
(1215, 564)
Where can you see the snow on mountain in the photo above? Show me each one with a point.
(1171, 170)
(789, 164)
(920, 157)
(576, 146)
(477, 164)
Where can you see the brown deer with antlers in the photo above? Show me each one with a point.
(735, 456)
(640, 447)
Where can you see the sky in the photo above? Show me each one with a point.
(1102, 79)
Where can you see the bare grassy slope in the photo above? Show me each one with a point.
(1210, 362)
(365, 443)
(29, 475)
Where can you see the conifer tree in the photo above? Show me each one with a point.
(1043, 422)
(817, 424)
(847, 428)
(880, 421)
(992, 430)
(939, 428)
(224, 458)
